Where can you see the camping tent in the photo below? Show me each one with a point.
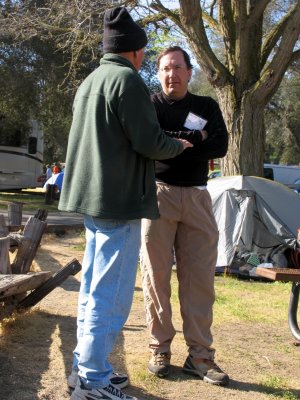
(254, 215)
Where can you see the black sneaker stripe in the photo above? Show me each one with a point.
(95, 397)
(114, 391)
(116, 380)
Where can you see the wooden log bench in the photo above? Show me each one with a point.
(287, 275)
(30, 240)
(14, 213)
(14, 287)
(13, 284)
(20, 288)
(21, 291)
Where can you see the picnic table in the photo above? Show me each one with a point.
(21, 288)
(287, 275)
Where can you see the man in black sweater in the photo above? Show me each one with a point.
(186, 225)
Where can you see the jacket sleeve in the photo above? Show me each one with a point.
(216, 143)
(139, 120)
(194, 137)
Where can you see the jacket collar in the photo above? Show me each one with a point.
(109, 58)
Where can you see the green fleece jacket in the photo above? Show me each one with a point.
(114, 137)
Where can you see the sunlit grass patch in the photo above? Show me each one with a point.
(31, 201)
(240, 300)
(79, 247)
(148, 381)
(278, 388)
(246, 300)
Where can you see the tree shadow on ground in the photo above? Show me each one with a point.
(36, 347)
(31, 344)
(36, 357)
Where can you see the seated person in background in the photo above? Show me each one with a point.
(56, 179)
(56, 169)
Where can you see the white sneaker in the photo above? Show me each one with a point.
(119, 380)
(110, 392)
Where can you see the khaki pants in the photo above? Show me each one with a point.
(186, 225)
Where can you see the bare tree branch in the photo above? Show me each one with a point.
(272, 75)
(274, 35)
(257, 9)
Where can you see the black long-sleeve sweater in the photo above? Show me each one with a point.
(190, 168)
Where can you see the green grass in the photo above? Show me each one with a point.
(246, 300)
(31, 200)
(79, 247)
(278, 388)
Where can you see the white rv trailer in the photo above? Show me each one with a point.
(21, 161)
(285, 174)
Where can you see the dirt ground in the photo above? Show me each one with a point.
(36, 347)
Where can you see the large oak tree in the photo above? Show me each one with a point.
(259, 40)
(254, 62)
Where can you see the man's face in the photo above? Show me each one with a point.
(174, 75)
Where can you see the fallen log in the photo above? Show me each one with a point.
(14, 284)
(72, 268)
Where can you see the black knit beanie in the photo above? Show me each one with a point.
(121, 33)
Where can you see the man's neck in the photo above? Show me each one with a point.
(174, 98)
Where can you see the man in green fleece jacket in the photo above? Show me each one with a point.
(109, 177)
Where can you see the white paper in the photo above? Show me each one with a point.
(194, 122)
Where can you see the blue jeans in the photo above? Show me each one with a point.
(106, 292)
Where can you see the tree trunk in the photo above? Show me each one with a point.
(254, 65)
(245, 125)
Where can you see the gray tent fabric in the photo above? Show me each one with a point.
(254, 215)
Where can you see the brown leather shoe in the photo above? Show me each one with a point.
(207, 370)
(159, 364)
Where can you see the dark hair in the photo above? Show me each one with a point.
(171, 49)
